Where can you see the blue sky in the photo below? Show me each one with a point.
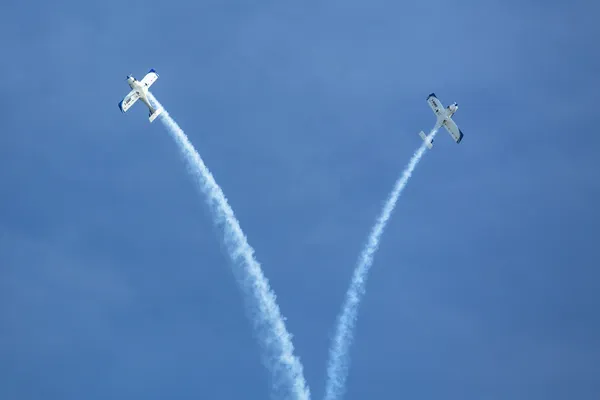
(113, 282)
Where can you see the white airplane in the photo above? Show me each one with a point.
(444, 117)
(139, 90)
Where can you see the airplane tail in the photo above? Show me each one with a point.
(155, 114)
(428, 141)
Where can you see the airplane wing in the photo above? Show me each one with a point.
(454, 131)
(150, 78)
(436, 105)
(129, 100)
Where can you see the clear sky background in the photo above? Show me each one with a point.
(114, 283)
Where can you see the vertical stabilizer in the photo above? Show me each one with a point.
(428, 141)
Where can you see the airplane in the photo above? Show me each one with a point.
(444, 117)
(139, 90)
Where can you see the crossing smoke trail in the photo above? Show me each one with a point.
(266, 317)
(337, 370)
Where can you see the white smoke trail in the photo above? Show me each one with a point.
(339, 360)
(268, 323)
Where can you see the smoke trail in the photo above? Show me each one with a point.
(337, 370)
(268, 323)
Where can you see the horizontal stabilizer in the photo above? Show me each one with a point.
(428, 141)
(155, 114)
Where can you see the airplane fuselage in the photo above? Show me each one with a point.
(136, 85)
(448, 112)
(445, 114)
(141, 90)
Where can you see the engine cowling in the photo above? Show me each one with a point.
(452, 108)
